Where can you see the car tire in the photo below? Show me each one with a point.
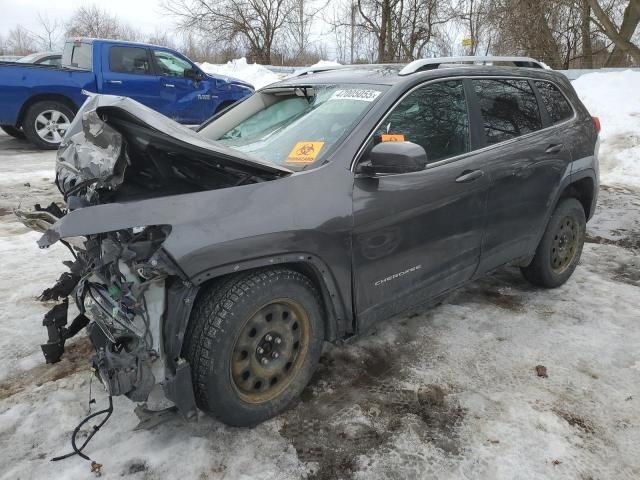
(559, 251)
(12, 131)
(46, 122)
(253, 342)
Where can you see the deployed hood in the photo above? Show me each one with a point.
(111, 134)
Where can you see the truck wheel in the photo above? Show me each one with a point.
(46, 123)
(12, 131)
(559, 251)
(253, 343)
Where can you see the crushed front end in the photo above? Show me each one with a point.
(120, 169)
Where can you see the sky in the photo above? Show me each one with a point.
(142, 14)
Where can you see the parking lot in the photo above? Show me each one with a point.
(451, 390)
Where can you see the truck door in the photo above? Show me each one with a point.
(188, 99)
(419, 234)
(128, 71)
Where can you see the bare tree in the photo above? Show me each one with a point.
(474, 17)
(256, 22)
(621, 35)
(402, 28)
(298, 30)
(49, 34)
(92, 21)
(20, 41)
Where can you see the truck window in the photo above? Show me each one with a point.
(509, 109)
(555, 102)
(77, 55)
(129, 60)
(170, 64)
(435, 117)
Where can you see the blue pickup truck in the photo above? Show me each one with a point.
(39, 102)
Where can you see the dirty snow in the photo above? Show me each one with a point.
(448, 392)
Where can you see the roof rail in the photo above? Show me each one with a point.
(311, 70)
(433, 63)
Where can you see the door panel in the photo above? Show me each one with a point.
(525, 163)
(187, 101)
(128, 72)
(419, 234)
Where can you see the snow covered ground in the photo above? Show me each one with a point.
(448, 392)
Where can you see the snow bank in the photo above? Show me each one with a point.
(614, 97)
(256, 75)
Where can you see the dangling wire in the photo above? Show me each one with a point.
(78, 451)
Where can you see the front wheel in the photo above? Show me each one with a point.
(559, 250)
(46, 123)
(253, 343)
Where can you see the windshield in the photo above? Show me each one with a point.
(293, 126)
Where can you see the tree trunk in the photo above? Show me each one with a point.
(585, 29)
(621, 38)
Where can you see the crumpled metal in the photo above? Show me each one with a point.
(91, 150)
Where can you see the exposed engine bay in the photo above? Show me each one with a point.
(130, 293)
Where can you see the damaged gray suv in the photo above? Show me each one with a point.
(211, 266)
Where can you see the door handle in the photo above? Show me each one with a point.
(555, 148)
(469, 176)
(169, 85)
(116, 82)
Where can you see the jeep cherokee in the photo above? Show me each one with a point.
(210, 266)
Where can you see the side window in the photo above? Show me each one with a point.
(509, 109)
(129, 60)
(554, 101)
(435, 117)
(170, 64)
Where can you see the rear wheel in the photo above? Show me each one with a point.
(46, 123)
(12, 131)
(253, 343)
(559, 251)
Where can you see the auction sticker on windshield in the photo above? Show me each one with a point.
(304, 152)
(356, 94)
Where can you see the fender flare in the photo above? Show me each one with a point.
(181, 296)
(562, 188)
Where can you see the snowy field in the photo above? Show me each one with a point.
(449, 392)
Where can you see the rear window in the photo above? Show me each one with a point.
(509, 109)
(77, 55)
(129, 60)
(555, 102)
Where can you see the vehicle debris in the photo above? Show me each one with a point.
(541, 371)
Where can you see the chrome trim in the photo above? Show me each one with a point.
(429, 166)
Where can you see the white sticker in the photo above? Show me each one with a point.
(356, 94)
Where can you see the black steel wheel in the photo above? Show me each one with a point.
(253, 342)
(270, 350)
(559, 251)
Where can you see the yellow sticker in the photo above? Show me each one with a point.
(392, 137)
(305, 152)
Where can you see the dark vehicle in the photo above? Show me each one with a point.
(213, 265)
(53, 59)
(38, 99)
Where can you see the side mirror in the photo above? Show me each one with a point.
(395, 157)
(193, 74)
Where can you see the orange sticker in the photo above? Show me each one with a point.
(392, 137)
(305, 152)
